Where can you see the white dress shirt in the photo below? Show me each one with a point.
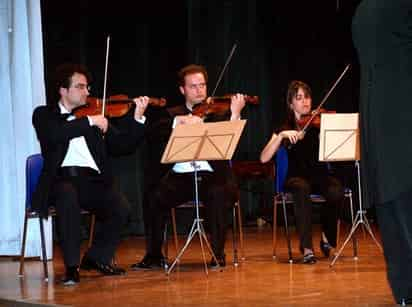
(78, 153)
(189, 167)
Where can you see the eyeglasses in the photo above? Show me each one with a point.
(82, 86)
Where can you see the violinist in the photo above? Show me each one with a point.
(77, 173)
(217, 189)
(306, 174)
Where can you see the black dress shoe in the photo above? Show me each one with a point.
(104, 268)
(220, 259)
(71, 276)
(325, 247)
(405, 301)
(309, 258)
(149, 262)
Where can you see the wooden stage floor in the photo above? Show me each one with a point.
(257, 281)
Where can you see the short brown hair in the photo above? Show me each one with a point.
(190, 69)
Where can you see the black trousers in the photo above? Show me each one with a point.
(395, 224)
(331, 188)
(216, 193)
(111, 208)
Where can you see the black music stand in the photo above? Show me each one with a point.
(197, 142)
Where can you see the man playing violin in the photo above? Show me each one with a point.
(77, 173)
(217, 189)
(306, 174)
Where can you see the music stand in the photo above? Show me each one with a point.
(203, 141)
(339, 141)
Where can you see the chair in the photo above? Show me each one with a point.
(281, 197)
(34, 165)
(237, 220)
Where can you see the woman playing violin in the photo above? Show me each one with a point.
(306, 175)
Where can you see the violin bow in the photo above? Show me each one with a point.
(224, 68)
(105, 75)
(316, 111)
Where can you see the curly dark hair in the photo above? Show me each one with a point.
(64, 73)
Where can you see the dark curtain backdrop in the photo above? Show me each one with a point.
(277, 41)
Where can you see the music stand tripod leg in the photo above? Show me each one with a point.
(369, 229)
(355, 225)
(202, 234)
(191, 235)
(197, 227)
(360, 219)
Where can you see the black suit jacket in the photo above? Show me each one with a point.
(54, 133)
(382, 34)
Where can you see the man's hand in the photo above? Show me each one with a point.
(141, 105)
(236, 105)
(100, 121)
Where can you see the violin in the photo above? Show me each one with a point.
(116, 106)
(312, 119)
(219, 105)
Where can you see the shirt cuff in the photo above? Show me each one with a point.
(236, 118)
(142, 120)
(90, 120)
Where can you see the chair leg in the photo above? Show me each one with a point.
(239, 222)
(166, 245)
(43, 250)
(173, 215)
(274, 229)
(91, 234)
(234, 236)
(285, 216)
(337, 231)
(23, 245)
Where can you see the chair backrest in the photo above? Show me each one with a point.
(34, 165)
(281, 168)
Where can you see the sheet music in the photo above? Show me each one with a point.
(339, 137)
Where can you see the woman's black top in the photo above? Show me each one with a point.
(304, 157)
